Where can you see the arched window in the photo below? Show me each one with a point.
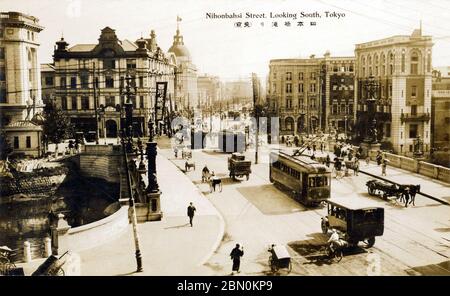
(369, 65)
(403, 61)
(383, 64)
(376, 61)
(414, 63)
(391, 64)
(289, 124)
(363, 64)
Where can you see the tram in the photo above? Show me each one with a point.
(308, 180)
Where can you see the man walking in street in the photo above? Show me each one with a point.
(236, 255)
(383, 168)
(191, 212)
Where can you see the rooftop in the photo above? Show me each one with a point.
(353, 203)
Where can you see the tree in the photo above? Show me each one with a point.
(5, 146)
(57, 126)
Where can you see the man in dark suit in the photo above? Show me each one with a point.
(191, 212)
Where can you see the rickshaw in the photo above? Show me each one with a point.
(279, 258)
(51, 267)
(6, 262)
(357, 220)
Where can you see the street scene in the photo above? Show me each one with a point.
(211, 140)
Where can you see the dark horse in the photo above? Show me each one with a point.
(408, 194)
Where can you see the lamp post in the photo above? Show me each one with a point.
(345, 118)
(127, 147)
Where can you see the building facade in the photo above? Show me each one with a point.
(209, 90)
(312, 94)
(186, 75)
(90, 81)
(401, 67)
(238, 94)
(440, 109)
(48, 83)
(20, 88)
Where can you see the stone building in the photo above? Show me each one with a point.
(90, 81)
(312, 94)
(401, 67)
(440, 108)
(186, 74)
(20, 88)
(47, 82)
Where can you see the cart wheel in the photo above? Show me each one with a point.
(338, 255)
(324, 227)
(61, 272)
(370, 242)
(248, 176)
(290, 267)
(371, 190)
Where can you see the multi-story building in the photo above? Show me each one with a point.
(47, 82)
(440, 108)
(186, 74)
(90, 81)
(312, 94)
(209, 90)
(20, 88)
(401, 67)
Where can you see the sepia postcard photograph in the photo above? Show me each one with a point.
(224, 139)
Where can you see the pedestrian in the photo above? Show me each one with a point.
(355, 166)
(313, 157)
(236, 255)
(367, 159)
(321, 147)
(379, 158)
(191, 212)
(327, 161)
(383, 168)
(77, 147)
(314, 148)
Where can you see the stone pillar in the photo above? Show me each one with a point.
(26, 251)
(153, 193)
(47, 247)
(60, 236)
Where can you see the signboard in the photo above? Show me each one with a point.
(160, 102)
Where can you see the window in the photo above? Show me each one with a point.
(109, 82)
(84, 79)
(403, 61)
(391, 64)
(288, 103)
(414, 63)
(141, 102)
(413, 130)
(109, 64)
(28, 142)
(429, 62)
(32, 36)
(313, 87)
(288, 75)
(28, 35)
(343, 109)
(414, 91)
(16, 142)
(110, 101)
(350, 68)
(288, 88)
(64, 103)
(73, 82)
(388, 130)
(2, 53)
(133, 100)
(141, 81)
(84, 103)
(335, 68)
(131, 63)
(413, 109)
(300, 76)
(334, 108)
(313, 75)
(48, 80)
(274, 75)
(74, 103)
(2, 94)
(350, 109)
(274, 86)
(390, 90)
(300, 88)
(62, 82)
(2, 73)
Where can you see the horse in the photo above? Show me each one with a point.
(414, 189)
(213, 182)
(408, 194)
(206, 175)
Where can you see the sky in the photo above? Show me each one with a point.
(219, 47)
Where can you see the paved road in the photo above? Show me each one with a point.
(416, 239)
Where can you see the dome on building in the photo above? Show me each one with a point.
(178, 47)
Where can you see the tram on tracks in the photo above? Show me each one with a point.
(307, 180)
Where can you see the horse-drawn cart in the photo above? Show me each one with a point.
(239, 166)
(383, 189)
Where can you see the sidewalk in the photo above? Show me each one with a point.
(170, 246)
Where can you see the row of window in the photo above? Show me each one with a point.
(287, 170)
(27, 142)
(288, 89)
(414, 63)
(84, 81)
(110, 101)
(341, 109)
(312, 76)
(301, 103)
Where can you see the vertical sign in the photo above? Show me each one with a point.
(161, 89)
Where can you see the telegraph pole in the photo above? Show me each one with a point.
(96, 107)
(255, 95)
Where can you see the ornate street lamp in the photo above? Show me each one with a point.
(371, 100)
